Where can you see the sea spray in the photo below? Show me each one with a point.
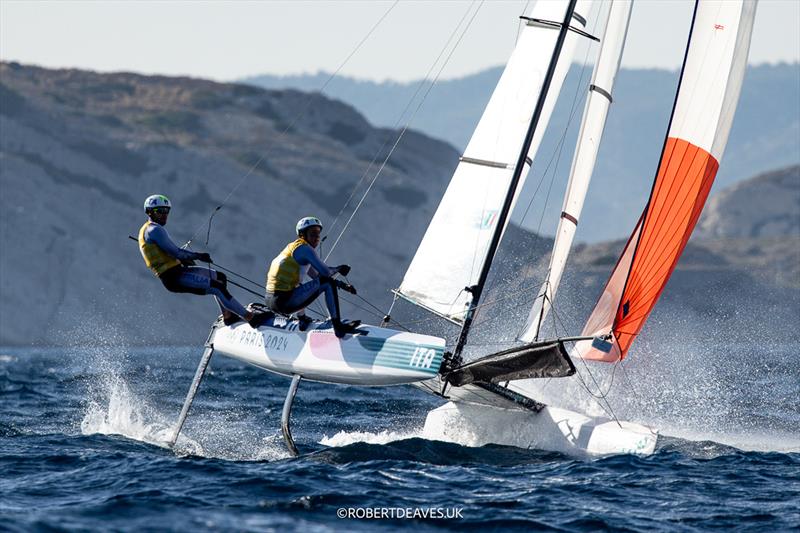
(115, 411)
(111, 407)
(121, 401)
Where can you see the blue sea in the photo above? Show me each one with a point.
(82, 431)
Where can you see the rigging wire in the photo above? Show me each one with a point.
(378, 312)
(563, 139)
(629, 382)
(520, 25)
(600, 395)
(399, 120)
(521, 22)
(303, 110)
(405, 128)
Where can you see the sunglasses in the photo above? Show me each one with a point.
(160, 210)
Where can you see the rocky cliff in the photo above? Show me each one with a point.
(80, 151)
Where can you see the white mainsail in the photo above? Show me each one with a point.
(454, 247)
(594, 120)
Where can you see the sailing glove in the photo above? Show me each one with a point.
(204, 257)
(344, 270)
(346, 287)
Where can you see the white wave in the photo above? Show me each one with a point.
(760, 441)
(344, 438)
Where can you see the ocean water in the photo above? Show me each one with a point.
(82, 431)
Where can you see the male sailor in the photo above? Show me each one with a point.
(285, 292)
(174, 266)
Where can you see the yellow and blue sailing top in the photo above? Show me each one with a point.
(286, 270)
(159, 252)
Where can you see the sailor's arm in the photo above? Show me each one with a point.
(158, 235)
(305, 255)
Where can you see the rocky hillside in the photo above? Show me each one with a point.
(767, 205)
(80, 151)
(765, 133)
(755, 224)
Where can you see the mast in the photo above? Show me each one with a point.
(477, 289)
(598, 103)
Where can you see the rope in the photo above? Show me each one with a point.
(498, 300)
(556, 155)
(375, 310)
(521, 23)
(259, 285)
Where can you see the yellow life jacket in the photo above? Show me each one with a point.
(284, 271)
(155, 258)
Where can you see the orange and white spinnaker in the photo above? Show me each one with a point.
(708, 92)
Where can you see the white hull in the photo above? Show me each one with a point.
(387, 357)
(378, 356)
(550, 429)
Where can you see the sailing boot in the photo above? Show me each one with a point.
(343, 327)
(258, 319)
(303, 322)
(230, 319)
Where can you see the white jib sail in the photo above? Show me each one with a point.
(594, 120)
(454, 247)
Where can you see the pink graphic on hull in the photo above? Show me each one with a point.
(325, 346)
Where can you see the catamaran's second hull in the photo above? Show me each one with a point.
(376, 356)
(551, 428)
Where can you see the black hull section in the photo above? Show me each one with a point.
(539, 360)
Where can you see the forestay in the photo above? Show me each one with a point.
(594, 120)
(454, 247)
(704, 107)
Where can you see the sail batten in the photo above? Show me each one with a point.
(703, 113)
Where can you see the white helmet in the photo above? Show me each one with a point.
(307, 222)
(156, 200)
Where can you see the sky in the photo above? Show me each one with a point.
(229, 40)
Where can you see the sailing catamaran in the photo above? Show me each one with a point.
(491, 398)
